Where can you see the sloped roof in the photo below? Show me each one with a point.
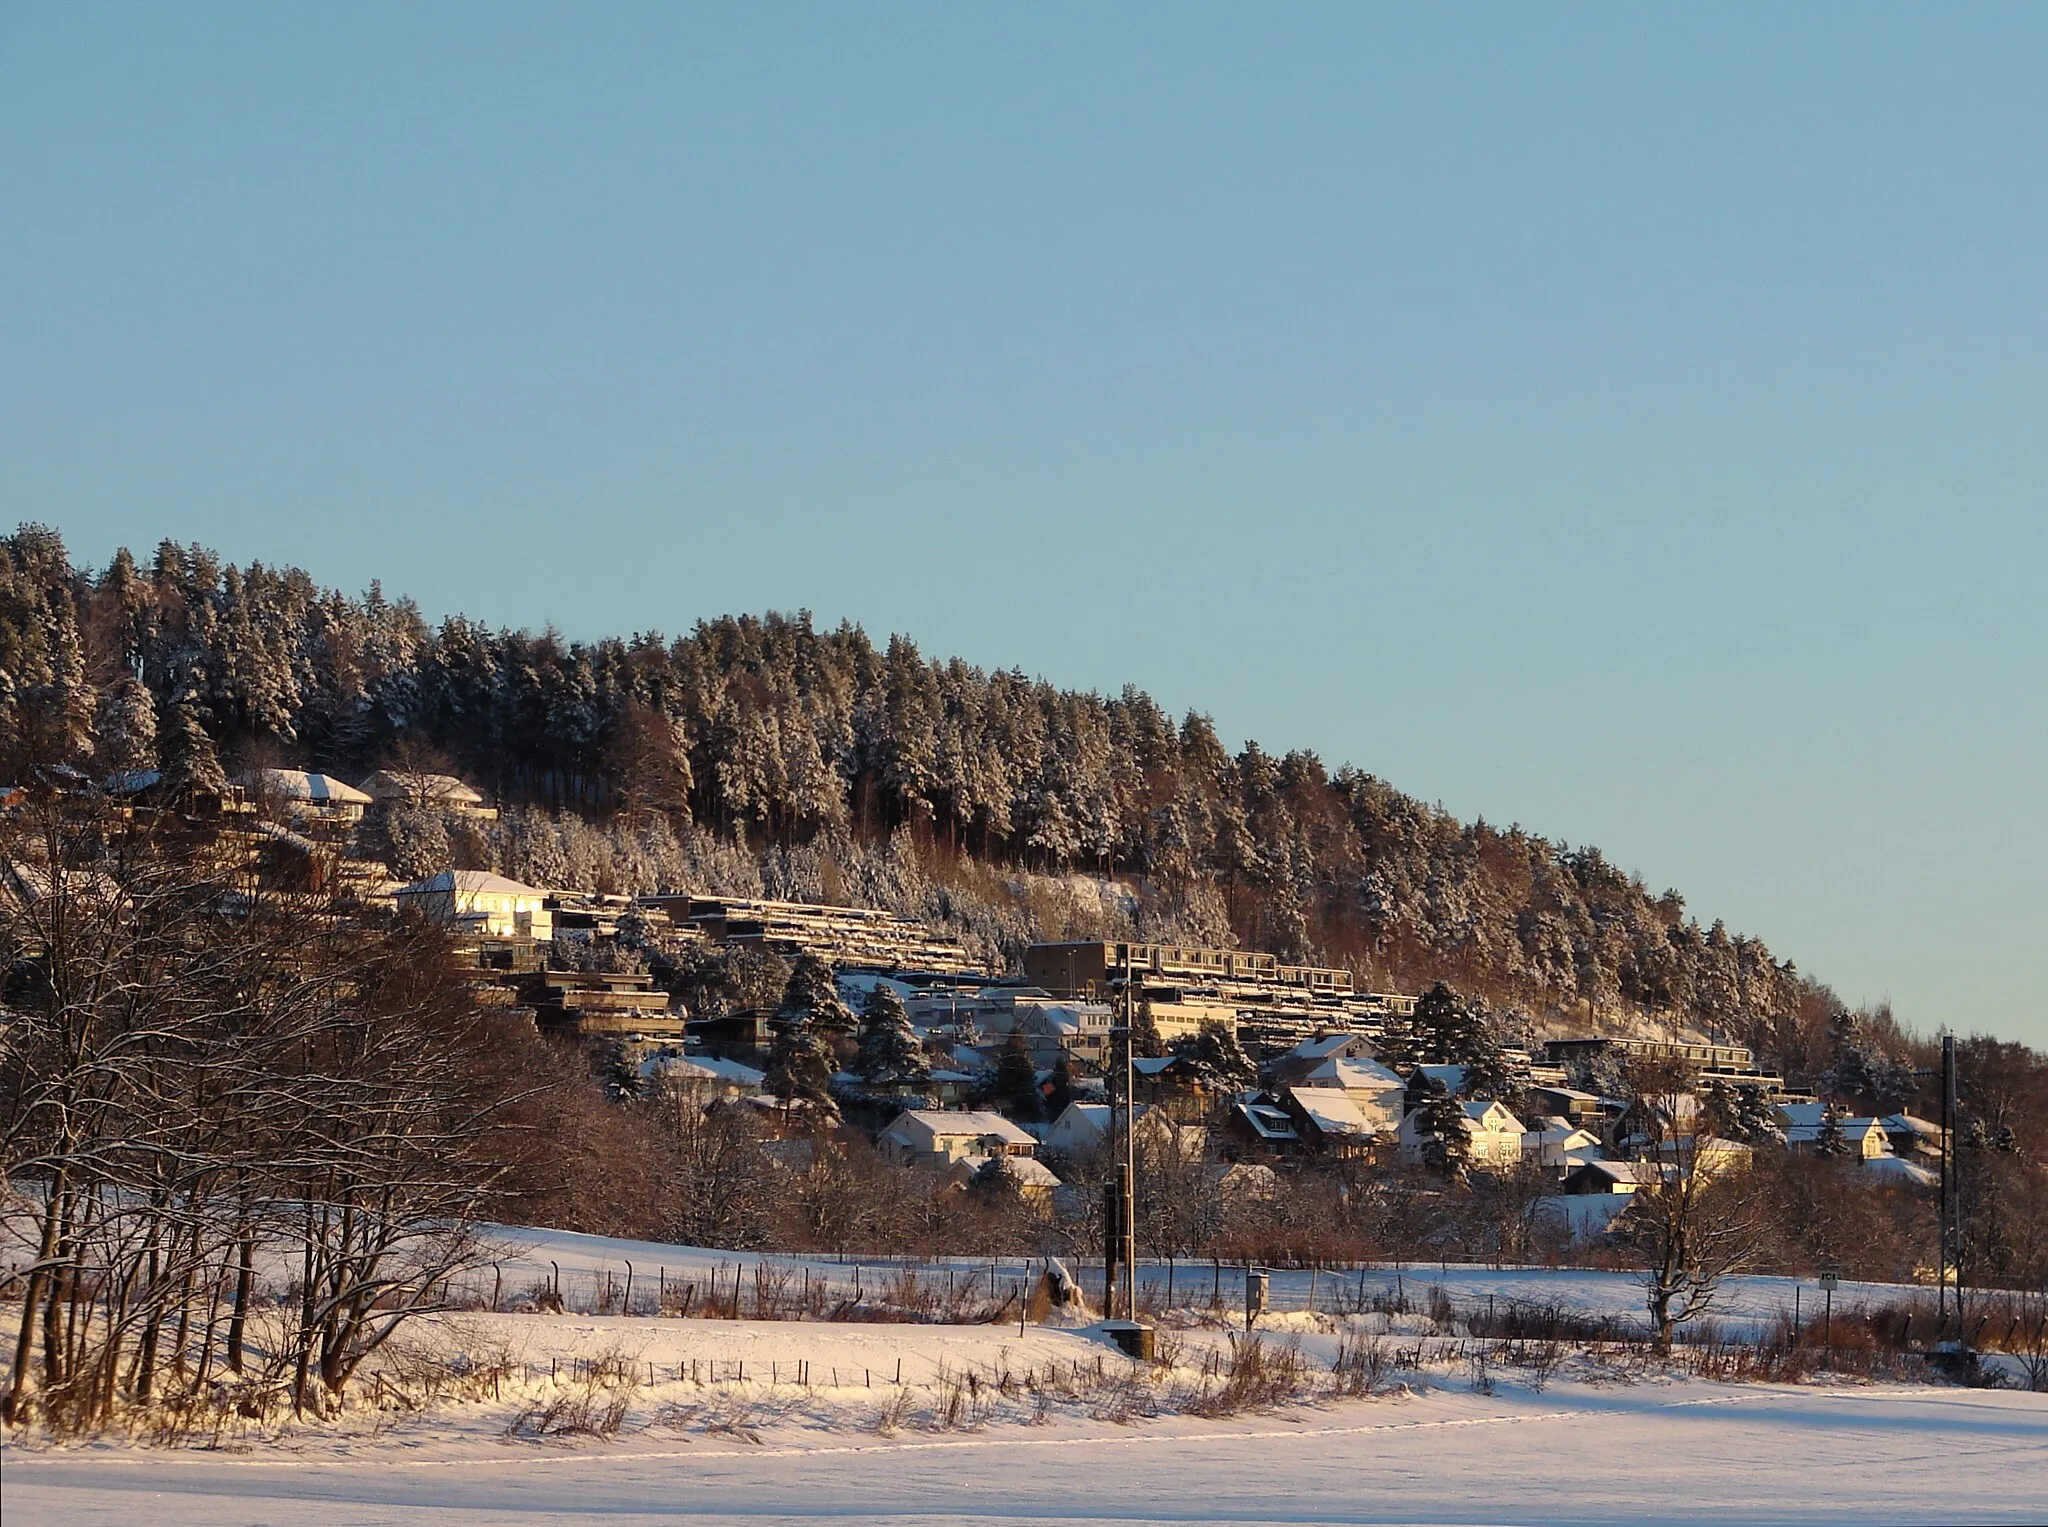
(1899, 1169)
(473, 881)
(1323, 1046)
(386, 783)
(1331, 1110)
(1028, 1170)
(1477, 1109)
(1269, 1123)
(300, 785)
(955, 1123)
(1354, 1075)
(1095, 1115)
(704, 1068)
(1641, 1173)
(1902, 1123)
(1852, 1129)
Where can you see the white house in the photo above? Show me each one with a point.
(703, 1076)
(410, 788)
(479, 902)
(1805, 1123)
(1555, 1143)
(1493, 1136)
(1297, 1063)
(1378, 1093)
(942, 1136)
(1081, 1129)
(1329, 1118)
(1084, 1128)
(302, 791)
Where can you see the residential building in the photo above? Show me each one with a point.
(849, 938)
(480, 903)
(1311, 1054)
(1328, 1121)
(1806, 1124)
(409, 788)
(942, 1137)
(305, 796)
(1493, 1136)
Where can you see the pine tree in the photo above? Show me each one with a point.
(1216, 1048)
(1440, 1123)
(800, 1069)
(1145, 1039)
(1831, 1141)
(1063, 1090)
(1478, 1049)
(811, 999)
(889, 1054)
(1437, 1025)
(124, 729)
(1015, 1089)
(1397, 1046)
(190, 764)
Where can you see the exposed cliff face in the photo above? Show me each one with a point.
(762, 750)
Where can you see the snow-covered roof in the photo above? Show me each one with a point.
(1908, 1123)
(1562, 1135)
(403, 784)
(1482, 1110)
(1354, 1075)
(962, 1123)
(1269, 1123)
(1899, 1169)
(1855, 1130)
(474, 882)
(300, 785)
(1331, 1110)
(1571, 1093)
(1637, 1173)
(1152, 1065)
(1028, 1170)
(1323, 1046)
(703, 1068)
(1453, 1077)
(1092, 1116)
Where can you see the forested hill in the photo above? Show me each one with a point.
(819, 761)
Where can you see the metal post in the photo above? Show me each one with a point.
(1948, 1186)
(1130, 1182)
(1112, 1238)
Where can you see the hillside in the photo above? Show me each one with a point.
(760, 753)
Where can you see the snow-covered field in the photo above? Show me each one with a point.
(1655, 1452)
(585, 1262)
(821, 1429)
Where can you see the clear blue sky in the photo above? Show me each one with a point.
(1629, 421)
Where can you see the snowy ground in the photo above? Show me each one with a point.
(584, 1263)
(820, 1427)
(1654, 1452)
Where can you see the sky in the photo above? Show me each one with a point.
(1627, 421)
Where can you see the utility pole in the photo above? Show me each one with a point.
(1949, 1249)
(1129, 1172)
